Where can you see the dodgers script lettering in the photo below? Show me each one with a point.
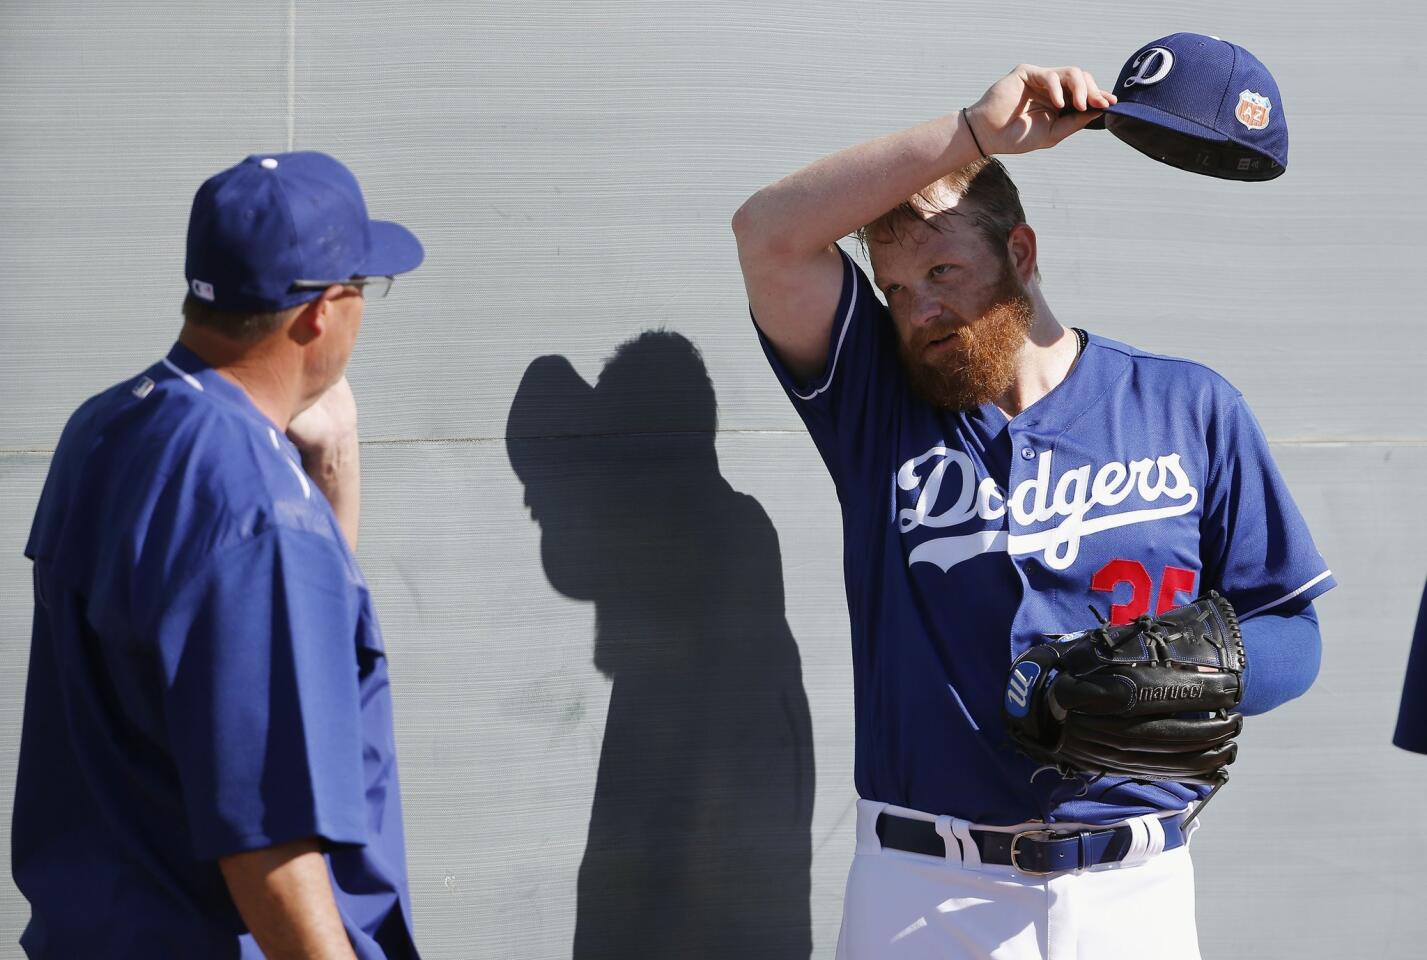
(1086, 500)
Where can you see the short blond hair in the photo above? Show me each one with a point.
(982, 190)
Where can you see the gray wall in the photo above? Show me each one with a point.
(572, 168)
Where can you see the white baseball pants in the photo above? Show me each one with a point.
(909, 906)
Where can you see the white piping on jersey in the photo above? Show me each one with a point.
(846, 322)
(301, 477)
(962, 705)
(188, 378)
(1284, 599)
(297, 471)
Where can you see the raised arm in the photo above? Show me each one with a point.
(786, 232)
(326, 436)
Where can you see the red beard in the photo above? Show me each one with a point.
(979, 363)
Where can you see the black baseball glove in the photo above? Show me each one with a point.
(1150, 700)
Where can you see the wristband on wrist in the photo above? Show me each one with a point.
(972, 130)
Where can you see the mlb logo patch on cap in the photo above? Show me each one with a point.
(258, 228)
(1201, 104)
(1253, 110)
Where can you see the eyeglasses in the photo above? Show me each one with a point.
(373, 288)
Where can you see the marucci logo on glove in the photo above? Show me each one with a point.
(1019, 687)
(1177, 691)
(1149, 700)
(1071, 496)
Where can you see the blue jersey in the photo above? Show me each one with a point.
(206, 677)
(1411, 733)
(1135, 485)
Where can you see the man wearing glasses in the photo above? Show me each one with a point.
(207, 765)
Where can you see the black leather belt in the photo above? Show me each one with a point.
(1032, 852)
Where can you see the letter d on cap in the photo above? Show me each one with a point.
(1151, 67)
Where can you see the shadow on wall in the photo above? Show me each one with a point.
(699, 841)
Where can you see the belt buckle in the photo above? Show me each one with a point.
(1016, 839)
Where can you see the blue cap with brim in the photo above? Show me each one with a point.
(275, 219)
(1201, 104)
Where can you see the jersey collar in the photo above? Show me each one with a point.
(1094, 373)
(183, 363)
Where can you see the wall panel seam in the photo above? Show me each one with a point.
(1298, 442)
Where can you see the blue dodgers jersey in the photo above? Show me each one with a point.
(206, 677)
(1411, 732)
(1137, 484)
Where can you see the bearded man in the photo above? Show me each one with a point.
(997, 473)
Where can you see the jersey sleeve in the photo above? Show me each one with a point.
(846, 406)
(1411, 732)
(261, 695)
(1257, 550)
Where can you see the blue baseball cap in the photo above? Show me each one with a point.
(260, 226)
(1201, 104)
